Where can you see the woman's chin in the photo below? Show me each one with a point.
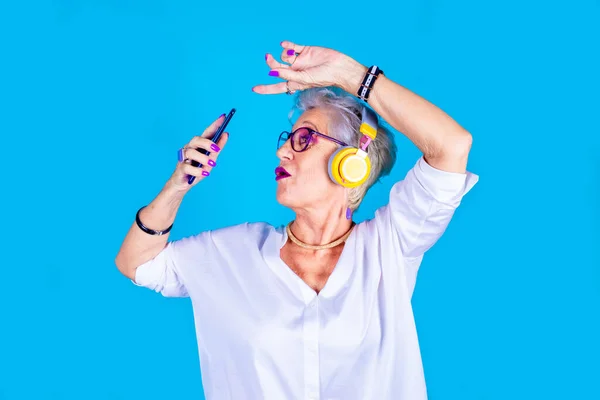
(283, 197)
(288, 197)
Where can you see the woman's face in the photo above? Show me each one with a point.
(308, 184)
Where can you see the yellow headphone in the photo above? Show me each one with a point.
(350, 166)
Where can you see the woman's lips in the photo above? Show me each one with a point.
(281, 173)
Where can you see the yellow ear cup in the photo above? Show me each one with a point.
(349, 169)
(355, 169)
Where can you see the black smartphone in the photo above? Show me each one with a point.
(214, 139)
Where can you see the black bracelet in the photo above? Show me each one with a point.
(368, 81)
(146, 229)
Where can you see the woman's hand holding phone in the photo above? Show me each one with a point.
(197, 159)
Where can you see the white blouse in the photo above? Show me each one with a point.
(263, 333)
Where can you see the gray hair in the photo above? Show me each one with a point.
(344, 111)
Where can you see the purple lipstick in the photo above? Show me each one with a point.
(281, 173)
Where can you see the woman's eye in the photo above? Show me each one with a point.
(304, 138)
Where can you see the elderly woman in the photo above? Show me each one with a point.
(319, 308)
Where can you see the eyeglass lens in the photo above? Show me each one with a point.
(300, 139)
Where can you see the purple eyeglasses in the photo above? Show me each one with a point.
(302, 137)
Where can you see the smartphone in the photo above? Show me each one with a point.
(214, 139)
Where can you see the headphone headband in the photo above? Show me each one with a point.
(369, 123)
(368, 127)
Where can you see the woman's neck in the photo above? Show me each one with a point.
(320, 227)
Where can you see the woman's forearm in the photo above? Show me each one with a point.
(443, 142)
(139, 246)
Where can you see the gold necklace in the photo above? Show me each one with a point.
(317, 247)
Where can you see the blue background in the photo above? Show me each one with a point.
(97, 96)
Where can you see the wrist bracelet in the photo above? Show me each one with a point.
(146, 229)
(368, 81)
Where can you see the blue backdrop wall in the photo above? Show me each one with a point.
(97, 96)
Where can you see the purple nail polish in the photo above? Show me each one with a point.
(221, 116)
(266, 56)
(214, 147)
(205, 173)
(291, 52)
(273, 73)
(211, 163)
(180, 155)
(348, 213)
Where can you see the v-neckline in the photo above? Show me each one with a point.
(336, 281)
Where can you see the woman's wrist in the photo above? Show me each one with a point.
(172, 192)
(351, 76)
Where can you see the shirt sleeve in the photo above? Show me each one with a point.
(162, 273)
(422, 205)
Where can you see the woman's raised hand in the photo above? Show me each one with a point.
(304, 67)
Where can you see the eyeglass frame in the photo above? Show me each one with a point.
(311, 132)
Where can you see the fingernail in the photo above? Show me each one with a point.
(291, 52)
(211, 163)
(221, 116)
(266, 56)
(214, 147)
(205, 173)
(273, 73)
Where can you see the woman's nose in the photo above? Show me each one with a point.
(285, 151)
